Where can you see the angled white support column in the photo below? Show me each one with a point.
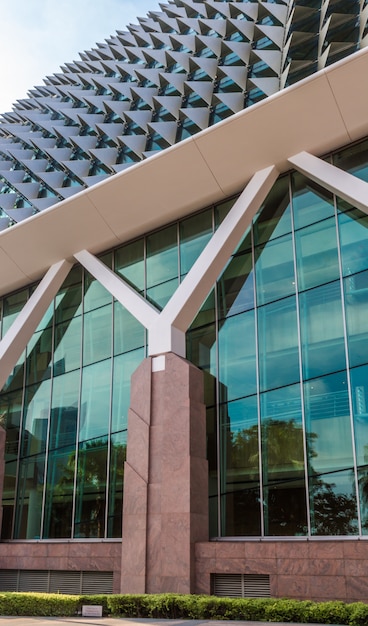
(345, 185)
(142, 310)
(166, 329)
(184, 304)
(22, 329)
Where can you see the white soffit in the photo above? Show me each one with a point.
(321, 113)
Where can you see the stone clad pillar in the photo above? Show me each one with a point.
(165, 509)
(2, 469)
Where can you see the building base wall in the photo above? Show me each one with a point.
(308, 570)
(86, 556)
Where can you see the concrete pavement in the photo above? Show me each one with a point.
(110, 621)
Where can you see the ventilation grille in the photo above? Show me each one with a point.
(241, 585)
(47, 581)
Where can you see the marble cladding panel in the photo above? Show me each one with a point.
(318, 570)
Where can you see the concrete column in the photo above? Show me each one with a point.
(165, 508)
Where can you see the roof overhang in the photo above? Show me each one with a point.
(321, 113)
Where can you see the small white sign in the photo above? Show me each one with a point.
(91, 610)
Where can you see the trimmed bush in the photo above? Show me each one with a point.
(174, 606)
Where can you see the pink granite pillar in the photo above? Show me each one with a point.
(165, 508)
(2, 468)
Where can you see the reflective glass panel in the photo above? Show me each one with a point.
(91, 489)
(67, 345)
(116, 473)
(195, 232)
(274, 218)
(162, 256)
(12, 305)
(330, 456)
(129, 334)
(31, 480)
(8, 501)
(36, 418)
(237, 356)
(64, 410)
(316, 253)
(284, 494)
(129, 263)
(354, 160)
(311, 203)
(201, 350)
(359, 392)
(275, 280)
(322, 332)
(97, 335)
(356, 307)
(240, 495)
(95, 295)
(212, 446)
(68, 301)
(278, 344)
(124, 366)
(236, 286)
(353, 229)
(59, 493)
(39, 354)
(95, 401)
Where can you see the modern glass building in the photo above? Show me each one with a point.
(184, 345)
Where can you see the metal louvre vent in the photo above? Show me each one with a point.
(97, 582)
(49, 581)
(241, 585)
(9, 579)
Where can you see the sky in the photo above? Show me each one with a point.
(38, 36)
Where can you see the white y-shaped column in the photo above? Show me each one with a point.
(166, 329)
(345, 185)
(22, 329)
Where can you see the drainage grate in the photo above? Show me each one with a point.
(49, 581)
(241, 585)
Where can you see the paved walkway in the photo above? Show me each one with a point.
(109, 621)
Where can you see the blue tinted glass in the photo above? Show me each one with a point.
(322, 330)
(311, 203)
(95, 400)
(237, 356)
(316, 253)
(278, 344)
(275, 279)
(353, 229)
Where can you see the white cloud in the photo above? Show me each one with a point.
(38, 36)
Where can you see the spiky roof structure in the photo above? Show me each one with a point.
(176, 72)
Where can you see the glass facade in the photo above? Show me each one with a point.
(283, 343)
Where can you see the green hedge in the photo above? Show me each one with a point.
(174, 606)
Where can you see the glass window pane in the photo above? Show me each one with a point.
(124, 366)
(212, 446)
(12, 305)
(201, 349)
(311, 203)
(117, 460)
(91, 489)
(129, 263)
(330, 455)
(36, 418)
(240, 495)
(129, 334)
(353, 229)
(278, 344)
(29, 497)
(162, 256)
(284, 494)
(221, 210)
(10, 420)
(274, 217)
(356, 307)
(195, 232)
(236, 286)
(39, 353)
(359, 392)
(322, 333)
(8, 501)
(59, 494)
(67, 346)
(207, 313)
(64, 410)
(161, 294)
(97, 332)
(275, 280)
(316, 253)
(68, 301)
(95, 294)
(354, 160)
(95, 402)
(237, 357)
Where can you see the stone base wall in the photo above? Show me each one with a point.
(308, 570)
(75, 556)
